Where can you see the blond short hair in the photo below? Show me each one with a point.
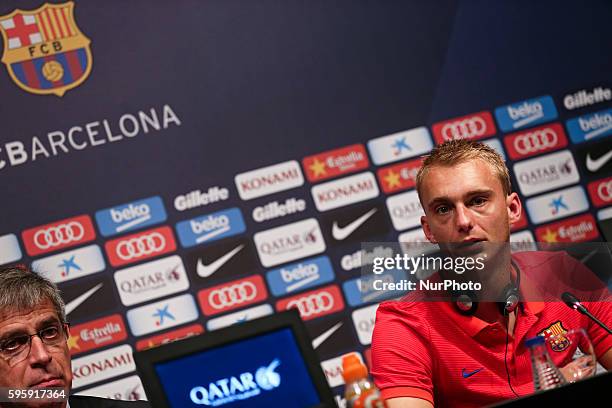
(460, 151)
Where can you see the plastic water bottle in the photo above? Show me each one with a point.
(546, 375)
(360, 391)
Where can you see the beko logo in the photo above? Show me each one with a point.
(539, 140)
(275, 209)
(545, 173)
(269, 180)
(102, 365)
(211, 227)
(199, 198)
(232, 295)
(345, 191)
(591, 126)
(289, 242)
(584, 98)
(237, 388)
(58, 235)
(475, 126)
(526, 113)
(131, 216)
(305, 274)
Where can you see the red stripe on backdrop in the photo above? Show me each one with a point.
(30, 72)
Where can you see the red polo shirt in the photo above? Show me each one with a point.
(428, 350)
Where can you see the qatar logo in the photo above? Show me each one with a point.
(237, 388)
(44, 50)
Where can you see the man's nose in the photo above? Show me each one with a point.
(38, 352)
(463, 219)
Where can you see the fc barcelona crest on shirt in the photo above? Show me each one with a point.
(559, 342)
(44, 50)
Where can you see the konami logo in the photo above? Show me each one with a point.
(169, 337)
(576, 229)
(232, 295)
(102, 365)
(313, 304)
(475, 126)
(269, 180)
(336, 162)
(400, 176)
(601, 192)
(96, 333)
(140, 246)
(58, 235)
(345, 191)
(535, 141)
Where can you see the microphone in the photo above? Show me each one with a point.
(573, 303)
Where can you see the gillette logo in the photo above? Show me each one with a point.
(526, 113)
(237, 388)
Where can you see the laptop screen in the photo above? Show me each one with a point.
(264, 370)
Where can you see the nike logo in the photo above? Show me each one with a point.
(465, 374)
(206, 270)
(73, 304)
(325, 335)
(594, 165)
(340, 233)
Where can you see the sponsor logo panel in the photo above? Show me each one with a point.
(596, 159)
(71, 264)
(151, 280)
(162, 315)
(522, 241)
(102, 366)
(496, 145)
(600, 192)
(84, 300)
(475, 126)
(125, 389)
(330, 334)
(336, 162)
(58, 235)
(96, 334)
(299, 276)
(398, 177)
(169, 337)
(211, 227)
(526, 113)
(313, 304)
(230, 258)
(345, 191)
(332, 369)
(289, 242)
(355, 224)
(416, 236)
(589, 127)
(405, 210)
(239, 317)
(604, 214)
(363, 321)
(551, 206)
(362, 290)
(534, 141)
(131, 216)
(544, 173)
(200, 198)
(360, 257)
(575, 229)
(277, 209)
(232, 295)
(138, 247)
(269, 180)
(9, 249)
(400, 146)
(587, 97)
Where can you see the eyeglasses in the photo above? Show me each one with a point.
(17, 348)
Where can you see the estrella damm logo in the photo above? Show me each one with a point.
(555, 336)
(44, 50)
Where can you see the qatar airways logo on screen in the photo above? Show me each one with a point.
(232, 295)
(58, 235)
(313, 304)
(476, 126)
(141, 246)
(269, 180)
(240, 387)
(535, 141)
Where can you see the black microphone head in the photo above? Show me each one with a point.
(569, 299)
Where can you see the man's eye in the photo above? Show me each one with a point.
(50, 333)
(479, 201)
(443, 209)
(14, 343)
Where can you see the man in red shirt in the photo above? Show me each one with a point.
(427, 353)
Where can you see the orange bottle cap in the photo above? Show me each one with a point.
(352, 368)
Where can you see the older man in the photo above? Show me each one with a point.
(33, 348)
(452, 353)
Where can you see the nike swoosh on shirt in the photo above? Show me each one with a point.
(465, 374)
(73, 304)
(340, 233)
(325, 335)
(594, 165)
(206, 270)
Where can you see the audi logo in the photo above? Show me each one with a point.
(58, 235)
(141, 246)
(605, 191)
(232, 295)
(535, 141)
(313, 304)
(464, 129)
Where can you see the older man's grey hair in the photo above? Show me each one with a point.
(21, 289)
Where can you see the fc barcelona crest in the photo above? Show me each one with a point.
(559, 342)
(44, 50)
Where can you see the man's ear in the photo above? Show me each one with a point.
(427, 230)
(515, 208)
